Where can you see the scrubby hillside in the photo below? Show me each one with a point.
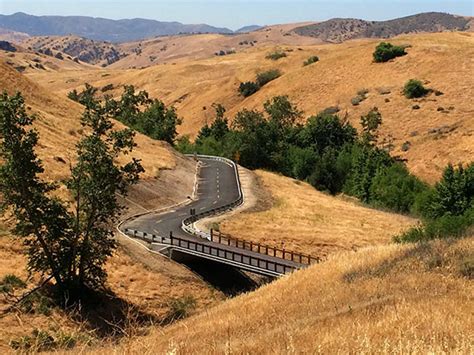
(395, 299)
(339, 30)
(428, 132)
(82, 49)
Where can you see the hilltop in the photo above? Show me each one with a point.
(339, 30)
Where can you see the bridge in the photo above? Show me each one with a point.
(218, 191)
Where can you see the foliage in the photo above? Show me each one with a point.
(276, 55)
(448, 208)
(386, 51)
(265, 77)
(248, 88)
(71, 242)
(136, 110)
(311, 60)
(414, 88)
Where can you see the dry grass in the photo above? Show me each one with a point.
(147, 282)
(58, 123)
(390, 299)
(306, 220)
(442, 59)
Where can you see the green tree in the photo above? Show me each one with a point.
(220, 126)
(370, 124)
(70, 242)
(386, 51)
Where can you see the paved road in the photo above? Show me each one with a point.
(217, 186)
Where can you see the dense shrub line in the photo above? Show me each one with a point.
(327, 152)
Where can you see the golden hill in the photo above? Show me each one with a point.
(58, 123)
(393, 299)
(308, 221)
(438, 132)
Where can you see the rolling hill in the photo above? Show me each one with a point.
(339, 30)
(438, 132)
(99, 28)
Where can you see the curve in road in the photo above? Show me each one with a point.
(217, 186)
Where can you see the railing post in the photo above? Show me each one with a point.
(292, 256)
(212, 234)
(266, 249)
(258, 248)
(251, 246)
(283, 253)
(274, 251)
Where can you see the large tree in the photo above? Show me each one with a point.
(69, 240)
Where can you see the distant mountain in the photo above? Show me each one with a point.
(12, 36)
(99, 28)
(339, 30)
(250, 28)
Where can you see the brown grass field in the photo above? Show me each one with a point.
(305, 220)
(442, 60)
(391, 299)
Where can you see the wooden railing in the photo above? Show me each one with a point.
(253, 263)
(218, 237)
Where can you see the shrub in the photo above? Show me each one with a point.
(386, 51)
(276, 55)
(248, 88)
(181, 307)
(414, 88)
(311, 60)
(267, 76)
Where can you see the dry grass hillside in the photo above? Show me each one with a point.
(58, 123)
(438, 132)
(172, 49)
(308, 221)
(392, 299)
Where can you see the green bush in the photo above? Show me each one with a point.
(11, 282)
(414, 88)
(267, 76)
(386, 51)
(311, 60)
(276, 55)
(248, 88)
(447, 226)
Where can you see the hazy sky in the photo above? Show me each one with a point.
(236, 13)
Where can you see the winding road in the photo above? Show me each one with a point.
(217, 186)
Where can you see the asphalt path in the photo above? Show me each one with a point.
(217, 186)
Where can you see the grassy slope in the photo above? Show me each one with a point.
(397, 299)
(58, 124)
(306, 220)
(442, 59)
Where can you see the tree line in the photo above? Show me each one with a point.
(329, 153)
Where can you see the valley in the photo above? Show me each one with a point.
(373, 291)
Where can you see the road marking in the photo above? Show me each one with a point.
(214, 202)
(159, 221)
(202, 208)
(183, 214)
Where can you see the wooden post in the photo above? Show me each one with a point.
(258, 247)
(220, 238)
(283, 253)
(266, 249)
(212, 234)
(292, 256)
(251, 246)
(274, 251)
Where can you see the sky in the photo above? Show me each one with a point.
(237, 13)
